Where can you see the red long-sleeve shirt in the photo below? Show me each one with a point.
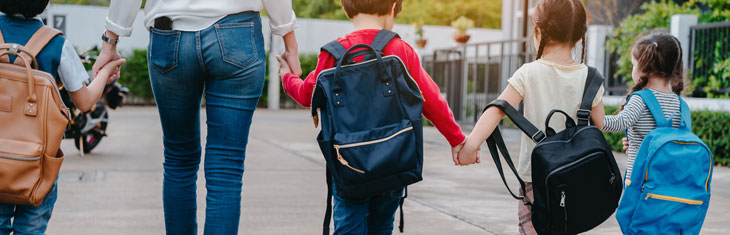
(435, 107)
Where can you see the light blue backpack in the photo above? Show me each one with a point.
(669, 189)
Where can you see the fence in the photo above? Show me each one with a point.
(472, 75)
(708, 41)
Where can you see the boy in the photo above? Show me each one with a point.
(18, 23)
(375, 215)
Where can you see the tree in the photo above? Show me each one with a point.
(611, 12)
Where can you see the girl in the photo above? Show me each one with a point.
(657, 62)
(553, 81)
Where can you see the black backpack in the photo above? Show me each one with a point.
(372, 132)
(576, 182)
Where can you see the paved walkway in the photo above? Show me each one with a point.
(117, 189)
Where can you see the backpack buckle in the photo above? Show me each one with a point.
(584, 114)
(538, 137)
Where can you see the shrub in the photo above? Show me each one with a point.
(135, 75)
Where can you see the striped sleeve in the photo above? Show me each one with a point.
(627, 117)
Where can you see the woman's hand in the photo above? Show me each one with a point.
(291, 54)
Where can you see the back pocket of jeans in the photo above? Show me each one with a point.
(163, 49)
(237, 43)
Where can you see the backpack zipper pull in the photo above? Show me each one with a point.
(562, 198)
(647, 196)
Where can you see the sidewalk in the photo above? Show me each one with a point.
(117, 189)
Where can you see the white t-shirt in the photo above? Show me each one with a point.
(196, 15)
(545, 85)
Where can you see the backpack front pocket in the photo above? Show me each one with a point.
(376, 153)
(19, 166)
(667, 213)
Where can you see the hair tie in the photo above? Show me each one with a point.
(655, 45)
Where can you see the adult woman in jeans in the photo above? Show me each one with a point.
(196, 47)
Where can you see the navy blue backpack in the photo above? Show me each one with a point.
(372, 132)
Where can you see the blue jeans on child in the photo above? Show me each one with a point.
(374, 215)
(226, 63)
(27, 219)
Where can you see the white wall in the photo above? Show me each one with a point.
(84, 25)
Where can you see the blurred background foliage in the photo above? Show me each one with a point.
(485, 13)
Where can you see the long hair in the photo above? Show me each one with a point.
(560, 21)
(658, 54)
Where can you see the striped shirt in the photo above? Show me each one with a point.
(638, 120)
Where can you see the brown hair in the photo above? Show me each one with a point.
(659, 54)
(561, 21)
(375, 7)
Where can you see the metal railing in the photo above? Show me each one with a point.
(472, 75)
(707, 42)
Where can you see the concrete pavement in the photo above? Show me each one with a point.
(117, 189)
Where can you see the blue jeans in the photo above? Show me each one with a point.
(374, 215)
(27, 219)
(226, 62)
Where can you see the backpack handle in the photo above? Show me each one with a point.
(31, 109)
(569, 122)
(348, 55)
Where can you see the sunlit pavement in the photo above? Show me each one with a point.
(117, 189)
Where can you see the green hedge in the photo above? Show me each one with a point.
(136, 77)
(712, 127)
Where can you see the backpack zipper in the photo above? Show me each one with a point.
(30, 159)
(674, 199)
(707, 181)
(565, 209)
(358, 144)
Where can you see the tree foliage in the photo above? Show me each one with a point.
(485, 13)
(657, 16)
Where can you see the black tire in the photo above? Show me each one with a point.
(91, 139)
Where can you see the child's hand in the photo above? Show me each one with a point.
(109, 70)
(455, 152)
(283, 66)
(469, 154)
(626, 143)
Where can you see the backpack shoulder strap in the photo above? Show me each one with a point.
(686, 121)
(593, 83)
(382, 39)
(40, 39)
(654, 108)
(335, 49)
(520, 121)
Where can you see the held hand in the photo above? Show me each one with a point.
(625, 143)
(469, 154)
(109, 69)
(108, 53)
(283, 66)
(292, 57)
(455, 152)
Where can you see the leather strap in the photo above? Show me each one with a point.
(530, 130)
(40, 39)
(593, 84)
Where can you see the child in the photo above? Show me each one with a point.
(375, 215)
(657, 65)
(554, 81)
(59, 59)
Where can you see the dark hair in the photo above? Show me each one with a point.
(376, 7)
(560, 21)
(659, 54)
(26, 8)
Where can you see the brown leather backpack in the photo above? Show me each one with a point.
(32, 122)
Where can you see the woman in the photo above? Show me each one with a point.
(214, 46)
